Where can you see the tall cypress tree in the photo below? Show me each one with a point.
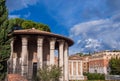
(3, 20)
(3, 12)
(4, 40)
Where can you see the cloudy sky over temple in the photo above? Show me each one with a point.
(94, 25)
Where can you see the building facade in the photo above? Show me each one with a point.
(75, 68)
(85, 60)
(99, 61)
(32, 49)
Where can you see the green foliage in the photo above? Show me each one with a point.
(80, 54)
(3, 12)
(95, 76)
(27, 24)
(4, 40)
(114, 65)
(55, 73)
(49, 73)
(16, 22)
(3, 70)
(30, 24)
(42, 27)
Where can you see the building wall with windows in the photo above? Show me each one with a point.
(85, 60)
(99, 61)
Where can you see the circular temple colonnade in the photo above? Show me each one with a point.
(32, 49)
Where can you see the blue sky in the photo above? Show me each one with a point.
(94, 25)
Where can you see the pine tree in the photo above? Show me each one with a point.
(3, 12)
(4, 40)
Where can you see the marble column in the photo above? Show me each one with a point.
(72, 68)
(11, 44)
(77, 68)
(14, 62)
(40, 51)
(66, 62)
(61, 51)
(24, 57)
(81, 69)
(10, 61)
(52, 50)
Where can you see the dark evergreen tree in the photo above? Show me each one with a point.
(4, 40)
(3, 12)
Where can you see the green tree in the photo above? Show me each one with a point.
(80, 54)
(27, 24)
(42, 27)
(4, 40)
(49, 73)
(114, 65)
(3, 12)
(16, 22)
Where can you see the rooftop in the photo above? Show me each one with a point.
(42, 33)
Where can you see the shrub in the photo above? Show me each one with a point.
(95, 76)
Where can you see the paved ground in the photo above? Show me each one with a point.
(15, 77)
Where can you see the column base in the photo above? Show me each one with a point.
(24, 70)
(76, 77)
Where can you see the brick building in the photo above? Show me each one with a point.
(99, 61)
(85, 60)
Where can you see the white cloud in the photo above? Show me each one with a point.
(83, 28)
(92, 43)
(97, 35)
(13, 5)
(18, 15)
(14, 16)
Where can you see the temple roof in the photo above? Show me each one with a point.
(42, 33)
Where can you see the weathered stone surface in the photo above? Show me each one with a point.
(15, 77)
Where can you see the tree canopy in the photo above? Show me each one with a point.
(114, 65)
(27, 24)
